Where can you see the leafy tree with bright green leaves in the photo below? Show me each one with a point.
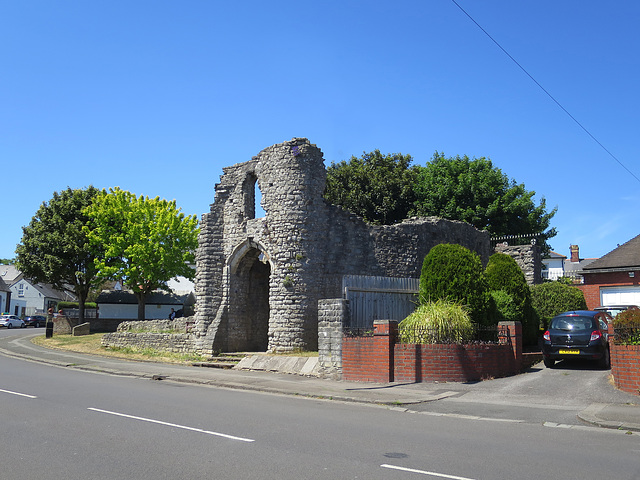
(146, 241)
(454, 273)
(476, 192)
(377, 187)
(55, 249)
(7, 261)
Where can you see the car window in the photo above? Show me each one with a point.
(572, 324)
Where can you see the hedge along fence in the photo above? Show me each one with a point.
(625, 359)
(379, 358)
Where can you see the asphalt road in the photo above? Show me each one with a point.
(63, 423)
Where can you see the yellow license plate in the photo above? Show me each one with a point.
(569, 352)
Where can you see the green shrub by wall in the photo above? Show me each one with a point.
(552, 298)
(503, 274)
(455, 273)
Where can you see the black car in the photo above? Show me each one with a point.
(35, 321)
(581, 334)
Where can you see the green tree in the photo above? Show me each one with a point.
(377, 187)
(146, 241)
(476, 192)
(7, 261)
(454, 273)
(54, 248)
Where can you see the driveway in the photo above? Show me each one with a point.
(538, 395)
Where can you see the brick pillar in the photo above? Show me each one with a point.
(515, 338)
(384, 339)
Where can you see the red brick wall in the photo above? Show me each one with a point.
(625, 367)
(452, 363)
(593, 282)
(379, 359)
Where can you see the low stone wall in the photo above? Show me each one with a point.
(166, 342)
(163, 335)
(625, 367)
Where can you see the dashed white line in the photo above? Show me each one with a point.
(159, 422)
(424, 472)
(19, 394)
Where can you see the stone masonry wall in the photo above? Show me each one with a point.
(259, 280)
(528, 258)
(332, 315)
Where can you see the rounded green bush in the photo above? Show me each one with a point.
(504, 274)
(552, 298)
(455, 273)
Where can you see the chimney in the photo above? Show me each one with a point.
(575, 253)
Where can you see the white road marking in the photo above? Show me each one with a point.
(16, 393)
(424, 472)
(150, 420)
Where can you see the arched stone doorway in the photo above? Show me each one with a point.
(248, 321)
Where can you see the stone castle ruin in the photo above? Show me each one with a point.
(259, 280)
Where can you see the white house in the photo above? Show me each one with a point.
(29, 298)
(4, 295)
(554, 266)
(123, 304)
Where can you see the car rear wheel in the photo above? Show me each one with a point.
(37, 325)
(549, 363)
(9, 325)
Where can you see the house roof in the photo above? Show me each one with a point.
(626, 255)
(3, 286)
(554, 255)
(9, 273)
(578, 266)
(153, 298)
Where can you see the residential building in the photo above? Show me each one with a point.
(614, 279)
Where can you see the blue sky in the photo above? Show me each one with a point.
(157, 96)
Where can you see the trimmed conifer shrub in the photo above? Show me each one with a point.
(504, 274)
(455, 273)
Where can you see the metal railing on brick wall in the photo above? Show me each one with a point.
(481, 334)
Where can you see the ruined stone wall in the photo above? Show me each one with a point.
(259, 280)
(528, 258)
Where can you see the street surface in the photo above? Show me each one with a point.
(62, 423)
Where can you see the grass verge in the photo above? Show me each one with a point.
(92, 344)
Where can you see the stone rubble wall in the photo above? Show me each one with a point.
(528, 258)
(166, 342)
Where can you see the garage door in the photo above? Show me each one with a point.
(620, 295)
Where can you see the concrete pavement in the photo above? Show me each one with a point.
(619, 410)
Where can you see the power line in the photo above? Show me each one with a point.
(545, 91)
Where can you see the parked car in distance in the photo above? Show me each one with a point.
(11, 321)
(35, 321)
(614, 310)
(581, 334)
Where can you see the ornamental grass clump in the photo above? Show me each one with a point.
(437, 322)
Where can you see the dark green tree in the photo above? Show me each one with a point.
(377, 187)
(455, 274)
(55, 250)
(476, 192)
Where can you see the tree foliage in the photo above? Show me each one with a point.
(146, 241)
(55, 249)
(386, 189)
(455, 274)
(476, 192)
(377, 187)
